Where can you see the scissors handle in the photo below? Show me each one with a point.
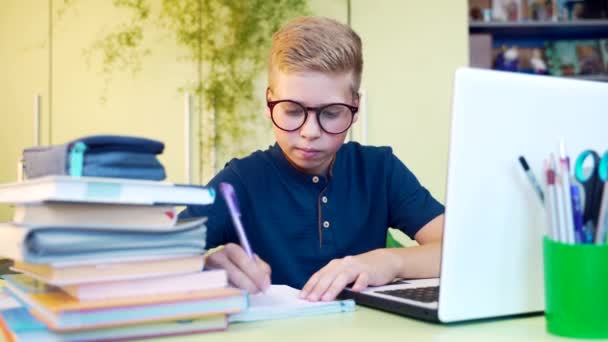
(602, 168)
(592, 182)
(579, 171)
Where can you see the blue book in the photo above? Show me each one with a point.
(42, 245)
(21, 326)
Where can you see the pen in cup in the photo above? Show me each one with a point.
(550, 203)
(564, 176)
(577, 213)
(532, 178)
(559, 203)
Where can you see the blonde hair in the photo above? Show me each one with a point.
(316, 44)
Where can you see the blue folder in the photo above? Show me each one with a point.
(97, 156)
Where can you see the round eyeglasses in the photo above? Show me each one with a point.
(333, 118)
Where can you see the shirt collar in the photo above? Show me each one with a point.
(284, 165)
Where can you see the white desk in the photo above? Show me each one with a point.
(373, 326)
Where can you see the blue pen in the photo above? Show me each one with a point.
(233, 207)
(577, 213)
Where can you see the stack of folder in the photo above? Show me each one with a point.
(106, 259)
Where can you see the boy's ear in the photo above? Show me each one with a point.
(356, 103)
(356, 98)
(267, 111)
(268, 92)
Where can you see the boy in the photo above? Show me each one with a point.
(316, 211)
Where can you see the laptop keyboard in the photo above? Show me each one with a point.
(421, 294)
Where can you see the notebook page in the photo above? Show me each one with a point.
(281, 301)
(279, 296)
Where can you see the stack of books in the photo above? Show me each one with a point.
(106, 259)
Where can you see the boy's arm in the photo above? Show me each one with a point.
(422, 261)
(243, 272)
(379, 266)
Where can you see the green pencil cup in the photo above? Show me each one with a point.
(576, 289)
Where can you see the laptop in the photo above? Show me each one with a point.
(491, 264)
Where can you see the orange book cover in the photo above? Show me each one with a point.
(5, 331)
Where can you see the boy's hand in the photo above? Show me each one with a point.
(371, 268)
(243, 272)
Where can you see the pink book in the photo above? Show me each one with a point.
(205, 280)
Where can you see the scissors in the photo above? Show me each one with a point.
(592, 183)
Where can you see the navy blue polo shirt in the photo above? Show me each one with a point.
(298, 222)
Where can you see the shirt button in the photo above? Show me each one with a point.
(324, 199)
(326, 224)
(315, 179)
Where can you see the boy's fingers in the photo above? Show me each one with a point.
(224, 259)
(221, 259)
(240, 279)
(257, 275)
(362, 282)
(310, 284)
(248, 266)
(336, 286)
(325, 280)
(266, 270)
(216, 259)
(263, 265)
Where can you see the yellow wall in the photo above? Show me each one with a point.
(411, 50)
(336, 9)
(23, 74)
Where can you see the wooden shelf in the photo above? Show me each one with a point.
(575, 29)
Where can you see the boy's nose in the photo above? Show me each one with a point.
(311, 128)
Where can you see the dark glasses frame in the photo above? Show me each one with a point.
(317, 110)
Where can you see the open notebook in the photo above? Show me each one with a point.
(281, 301)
